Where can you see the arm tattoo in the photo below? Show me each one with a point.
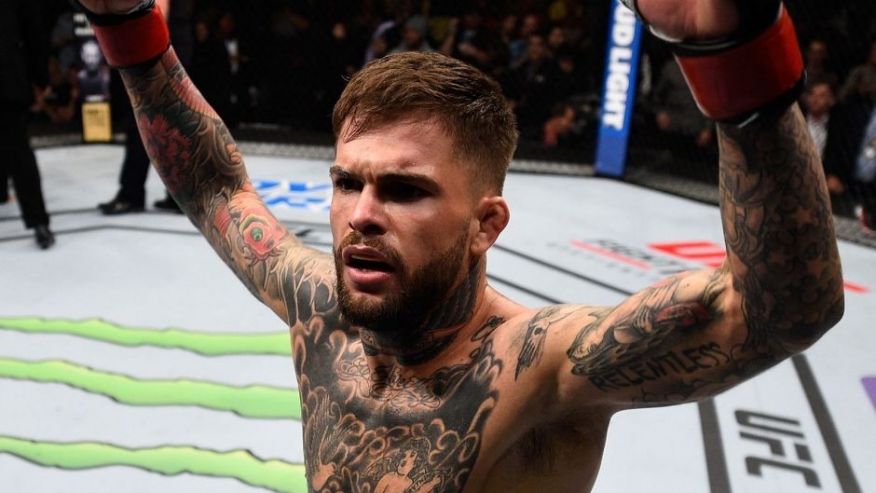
(779, 230)
(199, 163)
(623, 348)
(536, 333)
(782, 263)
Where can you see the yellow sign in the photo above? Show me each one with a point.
(97, 126)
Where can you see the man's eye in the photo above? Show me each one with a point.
(402, 192)
(346, 184)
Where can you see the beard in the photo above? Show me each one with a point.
(420, 292)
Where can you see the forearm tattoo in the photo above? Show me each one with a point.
(203, 170)
(779, 231)
(782, 262)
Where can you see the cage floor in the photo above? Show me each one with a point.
(97, 395)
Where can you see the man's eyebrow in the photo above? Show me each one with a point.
(337, 171)
(397, 176)
(413, 178)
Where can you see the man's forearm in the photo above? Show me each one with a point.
(778, 226)
(186, 140)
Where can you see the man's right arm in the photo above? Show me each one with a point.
(202, 168)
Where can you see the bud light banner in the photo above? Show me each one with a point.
(619, 90)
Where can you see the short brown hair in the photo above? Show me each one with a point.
(468, 105)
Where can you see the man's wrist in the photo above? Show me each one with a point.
(136, 37)
(737, 82)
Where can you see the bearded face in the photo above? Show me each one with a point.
(416, 292)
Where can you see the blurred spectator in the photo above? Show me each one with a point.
(845, 134)
(559, 125)
(508, 30)
(862, 79)
(388, 33)
(337, 70)
(531, 88)
(24, 52)
(570, 80)
(210, 68)
(517, 48)
(61, 99)
(556, 39)
(288, 65)
(676, 112)
(865, 176)
(243, 93)
(468, 40)
(818, 102)
(94, 77)
(414, 36)
(64, 42)
(818, 62)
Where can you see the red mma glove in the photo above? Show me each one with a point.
(755, 70)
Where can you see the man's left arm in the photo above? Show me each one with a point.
(780, 289)
(699, 333)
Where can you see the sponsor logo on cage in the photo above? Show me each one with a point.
(618, 81)
(309, 195)
(662, 259)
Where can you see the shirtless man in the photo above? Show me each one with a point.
(414, 373)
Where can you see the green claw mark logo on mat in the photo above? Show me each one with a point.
(253, 401)
(238, 464)
(203, 343)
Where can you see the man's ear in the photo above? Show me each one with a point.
(490, 218)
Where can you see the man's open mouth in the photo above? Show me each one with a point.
(363, 263)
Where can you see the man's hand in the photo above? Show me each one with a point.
(111, 6)
(690, 19)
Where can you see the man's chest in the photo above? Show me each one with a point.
(373, 429)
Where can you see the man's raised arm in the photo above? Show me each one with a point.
(780, 289)
(199, 163)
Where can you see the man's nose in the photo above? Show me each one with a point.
(368, 215)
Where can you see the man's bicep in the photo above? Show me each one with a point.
(295, 281)
(677, 341)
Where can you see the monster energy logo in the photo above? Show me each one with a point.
(251, 401)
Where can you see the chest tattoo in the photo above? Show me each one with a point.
(377, 431)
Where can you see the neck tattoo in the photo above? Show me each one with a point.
(438, 329)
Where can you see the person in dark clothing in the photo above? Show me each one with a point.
(865, 176)
(470, 41)
(210, 68)
(25, 73)
(131, 196)
(531, 88)
(845, 136)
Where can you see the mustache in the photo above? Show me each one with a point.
(358, 239)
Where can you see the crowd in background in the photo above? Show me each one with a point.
(285, 62)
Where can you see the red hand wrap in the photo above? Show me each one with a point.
(736, 83)
(134, 41)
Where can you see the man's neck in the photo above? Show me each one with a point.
(438, 332)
